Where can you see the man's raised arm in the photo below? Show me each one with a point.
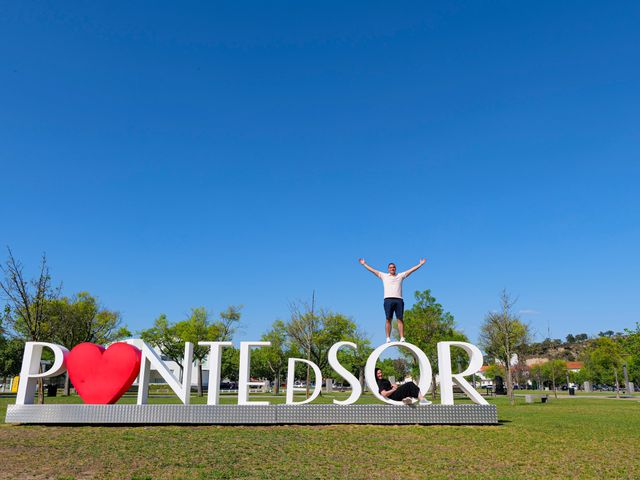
(372, 270)
(413, 269)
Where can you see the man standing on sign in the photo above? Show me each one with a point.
(393, 301)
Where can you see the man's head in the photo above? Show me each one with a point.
(392, 268)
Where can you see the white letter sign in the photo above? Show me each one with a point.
(423, 363)
(215, 359)
(291, 372)
(356, 388)
(447, 378)
(29, 373)
(245, 368)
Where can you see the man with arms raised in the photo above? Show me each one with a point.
(393, 301)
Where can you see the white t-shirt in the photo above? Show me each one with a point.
(392, 284)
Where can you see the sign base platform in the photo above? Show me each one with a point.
(465, 414)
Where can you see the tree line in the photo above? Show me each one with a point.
(507, 342)
(36, 310)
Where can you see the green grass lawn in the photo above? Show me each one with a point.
(578, 437)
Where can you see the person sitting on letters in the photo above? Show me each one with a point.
(407, 393)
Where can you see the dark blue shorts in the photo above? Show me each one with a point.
(394, 305)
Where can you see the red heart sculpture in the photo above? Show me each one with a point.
(102, 376)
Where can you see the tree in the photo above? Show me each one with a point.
(164, 336)
(275, 357)
(388, 367)
(631, 346)
(535, 371)
(194, 329)
(11, 350)
(230, 364)
(314, 333)
(426, 324)
(503, 335)
(334, 327)
(82, 319)
(198, 328)
(603, 360)
(521, 372)
(302, 328)
(494, 370)
(228, 323)
(355, 360)
(554, 370)
(170, 338)
(26, 303)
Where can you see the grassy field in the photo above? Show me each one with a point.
(577, 437)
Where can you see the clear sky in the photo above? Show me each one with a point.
(170, 155)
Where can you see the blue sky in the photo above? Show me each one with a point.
(168, 156)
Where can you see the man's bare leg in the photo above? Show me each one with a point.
(401, 328)
(387, 328)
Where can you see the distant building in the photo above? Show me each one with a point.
(575, 366)
(484, 381)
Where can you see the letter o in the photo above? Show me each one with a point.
(420, 356)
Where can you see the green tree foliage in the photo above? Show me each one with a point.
(603, 361)
(631, 346)
(81, 319)
(230, 363)
(536, 374)
(494, 370)
(164, 336)
(274, 358)
(503, 335)
(334, 327)
(313, 333)
(170, 337)
(194, 329)
(388, 368)
(355, 360)
(226, 327)
(607, 333)
(11, 350)
(317, 331)
(425, 324)
(199, 328)
(397, 368)
(554, 371)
